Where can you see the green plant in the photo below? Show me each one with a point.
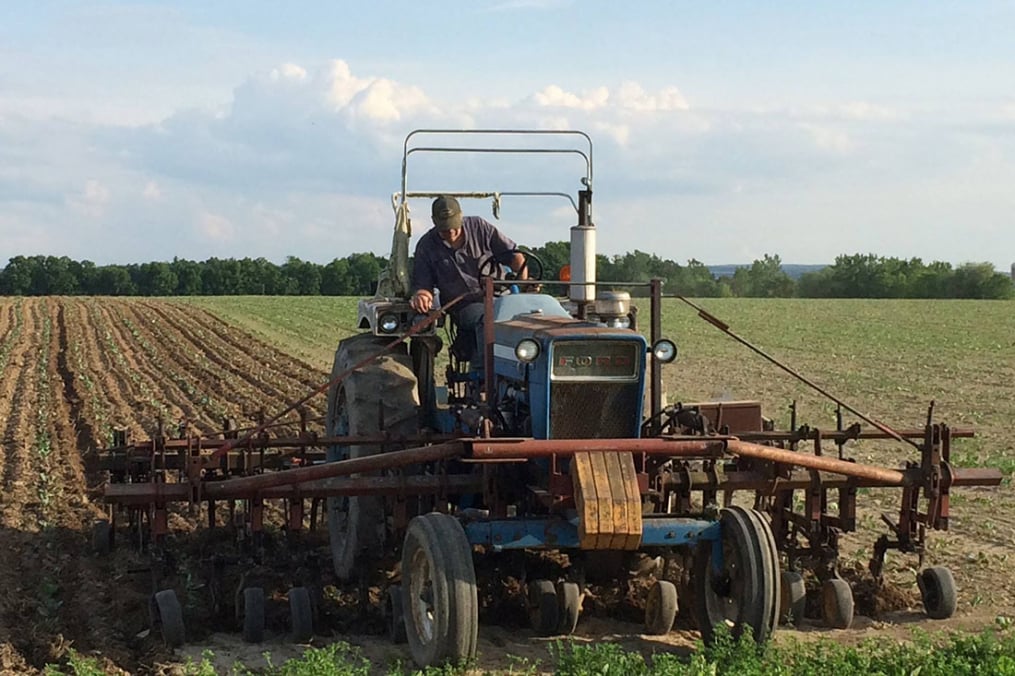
(77, 665)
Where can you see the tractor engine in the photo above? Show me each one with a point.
(563, 378)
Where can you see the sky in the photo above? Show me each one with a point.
(721, 132)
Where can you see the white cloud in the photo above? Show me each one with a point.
(301, 161)
(386, 101)
(629, 96)
(861, 110)
(215, 227)
(288, 71)
(620, 133)
(341, 85)
(92, 199)
(827, 138)
(554, 96)
(632, 96)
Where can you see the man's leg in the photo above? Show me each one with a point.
(469, 322)
(423, 351)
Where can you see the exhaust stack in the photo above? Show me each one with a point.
(583, 251)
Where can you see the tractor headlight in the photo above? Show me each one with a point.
(388, 322)
(527, 350)
(664, 351)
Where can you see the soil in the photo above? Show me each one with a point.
(75, 369)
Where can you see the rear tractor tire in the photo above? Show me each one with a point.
(378, 397)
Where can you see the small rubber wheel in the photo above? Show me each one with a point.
(394, 619)
(102, 537)
(937, 587)
(837, 603)
(169, 615)
(660, 607)
(793, 598)
(544, 610)
(302, 613)
(569, 599)
(253, 614)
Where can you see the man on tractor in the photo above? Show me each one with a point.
(451, 258)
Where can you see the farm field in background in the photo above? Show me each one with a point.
(75, 368)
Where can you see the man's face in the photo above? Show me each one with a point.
(451, 236)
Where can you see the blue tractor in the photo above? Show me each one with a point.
(557, 443)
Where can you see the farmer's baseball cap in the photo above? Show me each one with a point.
(446, 212)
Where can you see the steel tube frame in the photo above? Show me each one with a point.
(370, 463)
(886, 477)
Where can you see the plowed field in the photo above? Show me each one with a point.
(73, 369)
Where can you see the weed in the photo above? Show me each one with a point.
(77, 665)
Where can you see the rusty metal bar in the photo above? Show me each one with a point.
(507, 449)
(975, 476)
(761, 481)
(845, 435)
(373, 485)
(283, 442)
(886, 477)
(148, 492)
(370, 463)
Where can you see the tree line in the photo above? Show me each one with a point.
(850, 276)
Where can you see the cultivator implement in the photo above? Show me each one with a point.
(655, 494)
(544, 443)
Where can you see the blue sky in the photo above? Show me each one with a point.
(723, 131)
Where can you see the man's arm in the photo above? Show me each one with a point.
(423, 280)
(518, 266)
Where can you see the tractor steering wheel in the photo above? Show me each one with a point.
(532, 265)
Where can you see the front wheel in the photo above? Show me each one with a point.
(733, 579)
(439, 602)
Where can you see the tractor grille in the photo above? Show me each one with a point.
(594, 410)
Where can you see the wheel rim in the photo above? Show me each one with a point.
(725, 588)
(738, 595)
(421, 596)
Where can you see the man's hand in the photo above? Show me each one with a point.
(421, 301)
